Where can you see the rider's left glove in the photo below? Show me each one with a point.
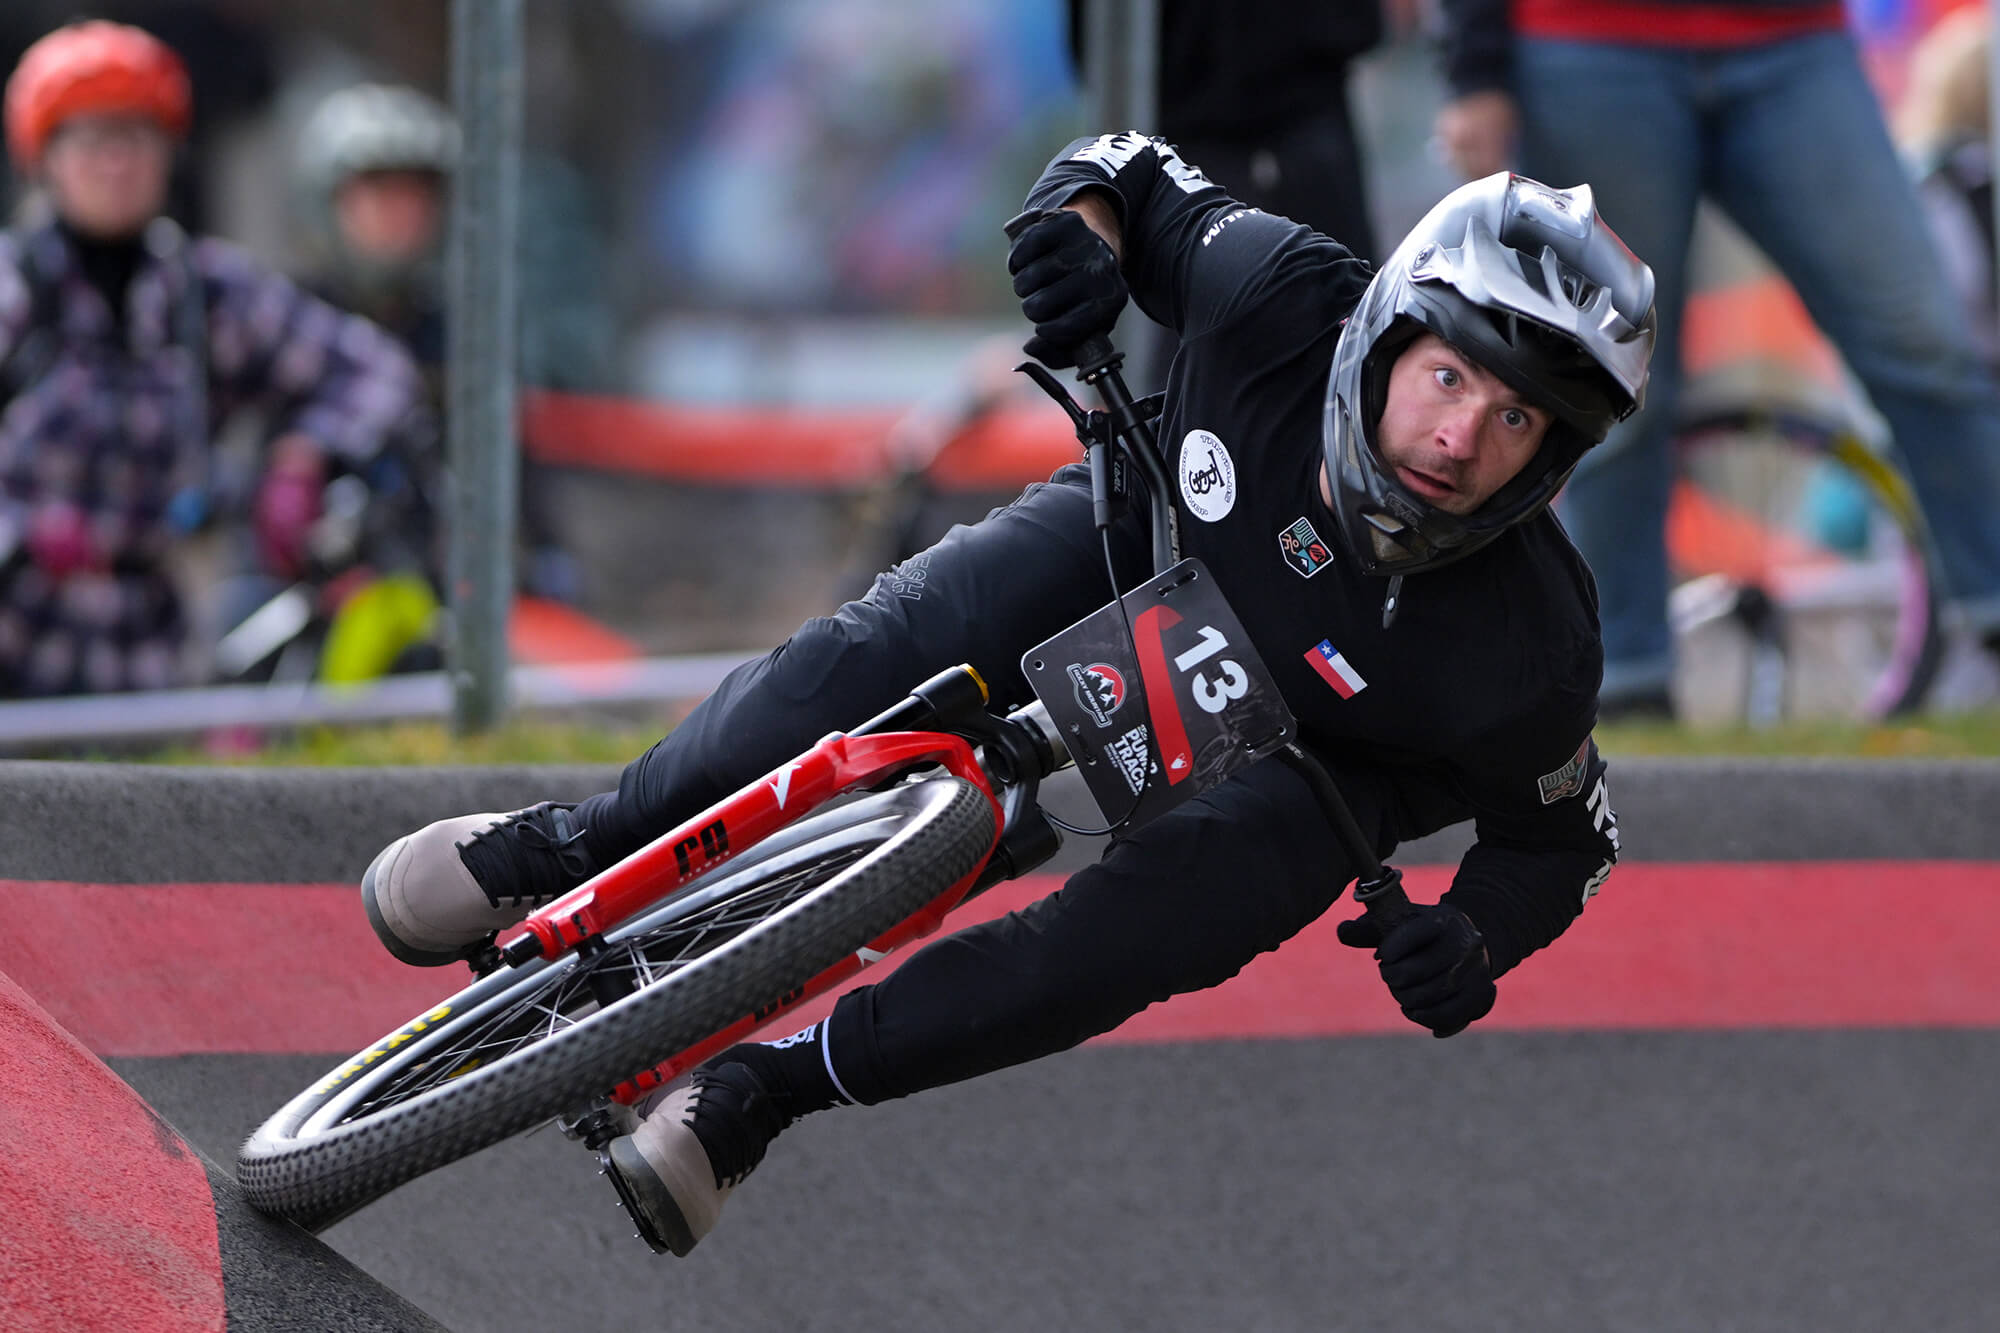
(1433, 962)
(1069, 285)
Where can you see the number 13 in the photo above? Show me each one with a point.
(1210, 696)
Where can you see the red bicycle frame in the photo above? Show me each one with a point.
(837, 765)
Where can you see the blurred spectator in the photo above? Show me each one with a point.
(374, 164)
(124, 344)
(1255, 94)
(844, 159)
(374, 175)
(1762, 105)
(230, 50)
(1941, 124)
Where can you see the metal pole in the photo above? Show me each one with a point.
(1121, 79)
(1122, 62)
(486, 52)
(1993, 130)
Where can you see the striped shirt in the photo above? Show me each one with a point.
(116, 422)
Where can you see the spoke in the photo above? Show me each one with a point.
(644, 958)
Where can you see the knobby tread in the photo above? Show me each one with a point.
(318, 1178)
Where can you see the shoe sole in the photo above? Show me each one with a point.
(403, 952)
(660, 1222)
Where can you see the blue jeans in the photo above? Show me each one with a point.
(1788, 139)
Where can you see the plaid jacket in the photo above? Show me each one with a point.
(119, 422)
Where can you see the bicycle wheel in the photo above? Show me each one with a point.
(1802, 575)
(522, 1046)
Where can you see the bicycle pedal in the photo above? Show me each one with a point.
(598, 1125)
(653, 1239)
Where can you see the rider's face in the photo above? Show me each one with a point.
(1452, 431)
(108, 173)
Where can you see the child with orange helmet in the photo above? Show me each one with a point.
(124, 346)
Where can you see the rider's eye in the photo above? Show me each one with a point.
(1447, 376)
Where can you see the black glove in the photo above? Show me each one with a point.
(1069, 285)
(1433, 962)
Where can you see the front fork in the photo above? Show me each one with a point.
(1018, 751)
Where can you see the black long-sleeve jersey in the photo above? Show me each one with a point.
(1478, 699)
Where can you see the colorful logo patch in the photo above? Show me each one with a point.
(1099, 689)
(1567, 780)
(1303, 550)
(1334, 669)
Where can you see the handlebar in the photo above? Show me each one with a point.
(1122, 425)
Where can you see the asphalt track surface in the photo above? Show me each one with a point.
(1641, 1166)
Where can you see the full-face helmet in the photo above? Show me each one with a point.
(1532, 285)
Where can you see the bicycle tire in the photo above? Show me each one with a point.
(1808, 649)
(428, 1094)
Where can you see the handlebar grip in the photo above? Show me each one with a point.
(1020, 222)
(1384, 900)
(1093, 354)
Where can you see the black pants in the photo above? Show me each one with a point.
(1180, 905)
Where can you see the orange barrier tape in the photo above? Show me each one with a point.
(1008, 447)
(1016, 443)
(545, 633)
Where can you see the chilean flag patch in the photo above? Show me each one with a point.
(1335, 670)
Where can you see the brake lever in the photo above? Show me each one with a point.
(1093, 429)
(1087, 430)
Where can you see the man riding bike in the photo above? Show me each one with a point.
(124, 344)
(1364, 460)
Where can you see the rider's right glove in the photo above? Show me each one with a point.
(1434, 962)
(1069, 285)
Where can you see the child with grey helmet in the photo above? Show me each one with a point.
(1364, 460)
(374, 169)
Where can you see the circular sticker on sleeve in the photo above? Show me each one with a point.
(1208, 477)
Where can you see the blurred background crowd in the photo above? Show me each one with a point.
(766, 330)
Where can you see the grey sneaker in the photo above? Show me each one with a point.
(434, 896)
(675, 1170)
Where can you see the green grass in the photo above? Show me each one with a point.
(528, 741)
(522, 741)
(1958, 736)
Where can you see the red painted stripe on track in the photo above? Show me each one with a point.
(107, 1213)
(181, 969)
(1666, 945)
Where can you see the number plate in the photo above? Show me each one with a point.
(1166, 709)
